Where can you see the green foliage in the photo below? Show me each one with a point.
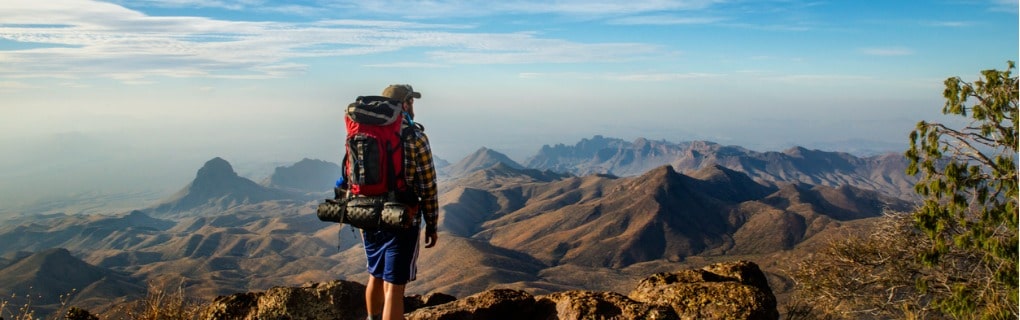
(968, 179)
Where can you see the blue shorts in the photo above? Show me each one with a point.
(392, 254)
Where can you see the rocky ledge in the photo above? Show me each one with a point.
(731, 290)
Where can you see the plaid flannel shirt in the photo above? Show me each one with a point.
(421, 175)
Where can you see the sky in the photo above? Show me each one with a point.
(113, 97)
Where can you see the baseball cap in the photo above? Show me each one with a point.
(400, 92)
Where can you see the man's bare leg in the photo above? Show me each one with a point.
(394, 309)
(374, 295)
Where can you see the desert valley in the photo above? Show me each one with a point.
(598, 215)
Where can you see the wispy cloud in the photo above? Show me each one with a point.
(663, 20)
(950, 24)
(13, 85)
(585, 8)
(407, 65)
(438, 8)
(818, 79)
(104, 39)
(229, 4)
(887, 52)
(625, 77)
(388, 24)
(603, 7)
(524, 48)
(1011, 6)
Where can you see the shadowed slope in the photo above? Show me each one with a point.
(48, 274)
(653, 216)
(603, 222)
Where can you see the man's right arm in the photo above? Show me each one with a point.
(428, 192)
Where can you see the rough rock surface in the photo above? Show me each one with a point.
(331, 300)
(721, 291)
(494, 304)
(598, 305)
(736, 290)
(733, 290)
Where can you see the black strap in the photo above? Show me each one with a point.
(343, 167)
(391, 179)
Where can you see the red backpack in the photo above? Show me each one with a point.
(374, 163)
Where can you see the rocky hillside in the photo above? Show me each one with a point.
(660, 215)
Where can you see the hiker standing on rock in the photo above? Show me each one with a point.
(392, 253)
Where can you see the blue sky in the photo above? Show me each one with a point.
(125, 93)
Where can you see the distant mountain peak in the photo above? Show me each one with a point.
(217, 185)
(795, 150)
(483, 151)
(662, 171)
(606, 156)
(664, 177)
(307, 175)
(58, 255)
(215, 174)
(216, 168)
(481, 159)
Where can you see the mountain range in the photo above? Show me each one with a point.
(884, 173)
(554, 224)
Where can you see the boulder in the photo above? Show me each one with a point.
(598, 305)
(733, 290)
(415, 302)
(336, 299)
(496, 304)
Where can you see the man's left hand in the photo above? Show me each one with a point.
(430, 239)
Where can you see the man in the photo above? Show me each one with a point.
(392, 254)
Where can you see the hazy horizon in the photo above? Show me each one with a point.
(133, 96)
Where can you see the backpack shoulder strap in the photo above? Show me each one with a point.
(343, 168)
(397, 170)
